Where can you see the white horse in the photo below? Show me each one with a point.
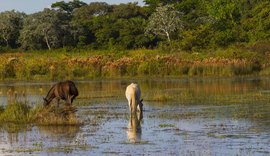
(133, 95)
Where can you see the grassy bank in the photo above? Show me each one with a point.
(20, 113)
(57, 65)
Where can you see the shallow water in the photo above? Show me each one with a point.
(208, 116)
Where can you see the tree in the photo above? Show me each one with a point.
(164, 21)
(84, 14)
(10, 24)
(225, 10)
(225, 19)
(127, 11)
(123, 27)
(48, 27)
(259, 16)
(88, 20)
(69, 6)
(153, 4)
(105, 31)
(131, 33)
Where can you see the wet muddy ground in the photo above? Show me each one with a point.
(224, 117)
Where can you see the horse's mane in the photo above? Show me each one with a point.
(49, 92)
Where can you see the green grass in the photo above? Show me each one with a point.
(68, 148)
(140, 142)
(160, 97)
(59, 64)
(163, 125)
(30, 150)
(52, 115)
(19, 113)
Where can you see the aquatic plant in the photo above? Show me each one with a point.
(163, 125)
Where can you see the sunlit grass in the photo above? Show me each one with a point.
(20, 113)
(17, 113)
(30, 150)
(52, 115)
(160, 97)
(48, 65)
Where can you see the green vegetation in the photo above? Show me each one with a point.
(134, 63)
(138, 142)
(20, 113)
(56, 116)
(17, 113)
(76, 40)
(186, 25)
(166, 125)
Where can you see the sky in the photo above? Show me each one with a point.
(31, 6)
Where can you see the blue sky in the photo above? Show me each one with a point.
(31, 6)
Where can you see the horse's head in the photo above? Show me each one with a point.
(46, 102)
(141, 110)
(69, 99)
(141, 104)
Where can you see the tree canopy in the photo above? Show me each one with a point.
(190, 24)
(46, 29)
(164, 21)
(10, 25)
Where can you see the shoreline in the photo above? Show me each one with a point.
(132, 64)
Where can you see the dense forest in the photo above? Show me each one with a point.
(188, 25)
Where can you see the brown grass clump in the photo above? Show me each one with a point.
(51, 115)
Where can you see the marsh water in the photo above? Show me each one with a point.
(209, 116)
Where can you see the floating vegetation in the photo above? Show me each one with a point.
(141, 142)
(166, 125)
(68, 148)
(223, 136)
(30, 150)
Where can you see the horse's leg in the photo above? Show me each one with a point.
(129, 104)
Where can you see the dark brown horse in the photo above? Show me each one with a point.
(65, 90)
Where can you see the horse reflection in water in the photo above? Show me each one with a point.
(134, 131)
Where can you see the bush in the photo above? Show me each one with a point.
(9, 70)
(143, 68)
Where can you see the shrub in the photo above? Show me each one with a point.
(143, 68)
(9, 70)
